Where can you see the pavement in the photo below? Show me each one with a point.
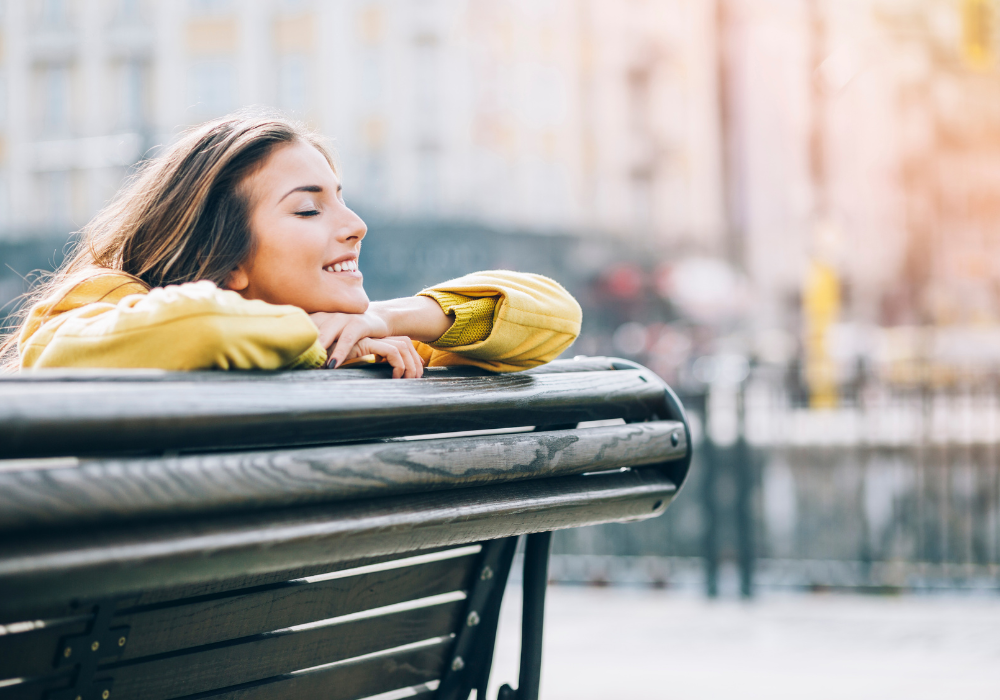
(611, 643)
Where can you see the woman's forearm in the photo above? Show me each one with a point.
(419, 318)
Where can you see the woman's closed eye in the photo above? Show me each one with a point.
(307, 212)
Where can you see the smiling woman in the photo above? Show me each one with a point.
(307, 241)
(235, 250)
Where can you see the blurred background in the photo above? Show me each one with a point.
(787, 208)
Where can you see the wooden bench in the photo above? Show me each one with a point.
(304, 534)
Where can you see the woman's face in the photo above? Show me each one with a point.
(307, 241)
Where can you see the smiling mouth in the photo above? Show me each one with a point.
(345, 266)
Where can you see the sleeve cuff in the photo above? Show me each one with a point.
(473, 318)
(313, 358)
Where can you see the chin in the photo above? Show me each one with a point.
(354, 303)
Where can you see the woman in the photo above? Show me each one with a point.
(235, 250)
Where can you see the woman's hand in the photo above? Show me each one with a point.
(397, 350)
(396, 320)
(349, 336)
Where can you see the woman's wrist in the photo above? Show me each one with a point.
(419, 318)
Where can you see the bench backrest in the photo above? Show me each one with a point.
(285, 536)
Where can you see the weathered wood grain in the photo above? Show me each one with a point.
(116, 517)
(381, 371)
(52, 611)
(74, 418)
(350, 680)
(41, 568)
(119, 489)
(267, 655)
(245, 580)
(36, 688)
(166, 628)
(33, 653)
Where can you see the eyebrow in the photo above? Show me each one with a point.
(303, 188)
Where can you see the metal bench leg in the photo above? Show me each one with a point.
(536, 576)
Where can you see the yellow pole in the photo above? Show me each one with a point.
(821, 307)
(978, 27)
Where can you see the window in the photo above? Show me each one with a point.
(427, 92)
(129, 11)
(54, 86)
(371, 80)
(292, 80)
(211, 88)
(295, 7)
(54, 14)
(131, 88)
(639, 98)
(3, 98)
(210, 7)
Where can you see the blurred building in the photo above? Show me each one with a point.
(779, 136)
(553, 115)
(864, 134)
(948, 115)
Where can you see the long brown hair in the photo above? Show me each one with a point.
(183, 216)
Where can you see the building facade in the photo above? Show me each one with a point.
(863, 136)
(593, 116)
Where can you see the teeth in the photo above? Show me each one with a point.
(346, 266)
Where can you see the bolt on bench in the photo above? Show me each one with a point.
(258, 536)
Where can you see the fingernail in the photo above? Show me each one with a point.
(333, 363)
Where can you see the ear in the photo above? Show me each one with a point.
(238, 279)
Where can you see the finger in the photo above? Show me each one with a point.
(346, 340)
(418, 361)
(330, 328)
(414, 365)
(411, 366)
(393, 356)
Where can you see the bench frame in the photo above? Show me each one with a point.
(309, 529)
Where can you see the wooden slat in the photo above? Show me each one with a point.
(168, 628)
(56, 419)
(220, 619)
(342, 681)
(381, 371)
(160, 595)
(165, 594)
(116, 489)
(37, 569)
(33, 653)
(35, 689)
(261, 657)
(351, 680)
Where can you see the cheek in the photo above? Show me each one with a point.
(285, 253)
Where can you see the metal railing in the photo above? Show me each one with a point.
(897, 490)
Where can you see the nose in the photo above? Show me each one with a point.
(350, 227)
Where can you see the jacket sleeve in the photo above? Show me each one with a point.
(473, 317)
(534, 321)
(181, 327)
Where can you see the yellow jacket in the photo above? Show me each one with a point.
(110, 319)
